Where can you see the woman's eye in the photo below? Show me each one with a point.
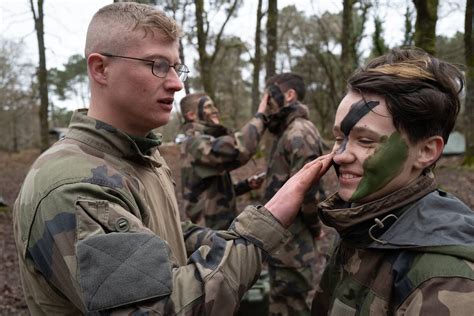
(339, 140)
(366, 141)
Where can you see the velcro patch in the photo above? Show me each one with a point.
(117, 269)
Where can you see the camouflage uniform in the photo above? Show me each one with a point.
(290, 271)
(419, 262)
(208, 192)
(97, 230)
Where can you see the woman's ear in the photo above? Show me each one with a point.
(429, 151)
(97, 67)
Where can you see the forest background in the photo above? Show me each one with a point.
(323, 47)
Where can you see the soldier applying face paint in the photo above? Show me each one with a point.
(296, 142)
(208, 153)
(406, 247)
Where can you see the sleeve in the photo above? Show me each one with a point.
(92, 246)
(195, 236)
(440, 296)
(302, 147)
(227, 152)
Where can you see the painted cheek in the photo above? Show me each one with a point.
(384, 165)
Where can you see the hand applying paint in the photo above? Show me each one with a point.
(286, 203)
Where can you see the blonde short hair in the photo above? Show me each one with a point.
(114, 25)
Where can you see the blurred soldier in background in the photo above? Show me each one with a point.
(297, 141)
(209, 152)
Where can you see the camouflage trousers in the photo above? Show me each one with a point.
(289, 288)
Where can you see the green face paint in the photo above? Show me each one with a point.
(384, 165)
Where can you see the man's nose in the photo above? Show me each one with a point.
(172, 81)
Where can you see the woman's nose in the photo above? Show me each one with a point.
(342, 153)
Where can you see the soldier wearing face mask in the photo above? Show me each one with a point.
(209, 152)
(297, 141)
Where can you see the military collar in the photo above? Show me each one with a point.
(107, 138)
(357, 220)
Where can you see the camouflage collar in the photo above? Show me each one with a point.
(278, 122)
(202, 127)
(109, 139)
(297, 110)
(337, 213)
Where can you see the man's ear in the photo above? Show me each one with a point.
(97, 66)
(290, 96)
(429, 151)
(190, 116)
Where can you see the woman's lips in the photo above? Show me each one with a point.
(347, 177)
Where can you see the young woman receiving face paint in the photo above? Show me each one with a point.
(405, 246)
(372, 157)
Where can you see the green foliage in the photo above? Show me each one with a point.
(71, 80)
(451, 48)
(310, 46)
(409, 32)
(232, 91)
(378, 43)
(60, 117)
(4, 209)
(468, 161)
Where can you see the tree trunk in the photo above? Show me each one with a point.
(408, 34)
(42, 74)
(347, 58)
(257, 60)
(469, 104)
(204, 61)
(272, 38)
(425, 25)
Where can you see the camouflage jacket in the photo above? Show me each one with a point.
(410, 253)
(209, 194)
(298, 143)
(97, 230)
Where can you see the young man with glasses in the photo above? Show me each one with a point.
(96, 222)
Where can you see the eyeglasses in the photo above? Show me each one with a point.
(159, 67)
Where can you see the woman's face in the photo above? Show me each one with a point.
(373, 159)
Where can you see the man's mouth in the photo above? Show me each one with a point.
(166, 100)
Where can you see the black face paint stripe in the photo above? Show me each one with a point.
(201, 103)
(358, 110)
(276, 94)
